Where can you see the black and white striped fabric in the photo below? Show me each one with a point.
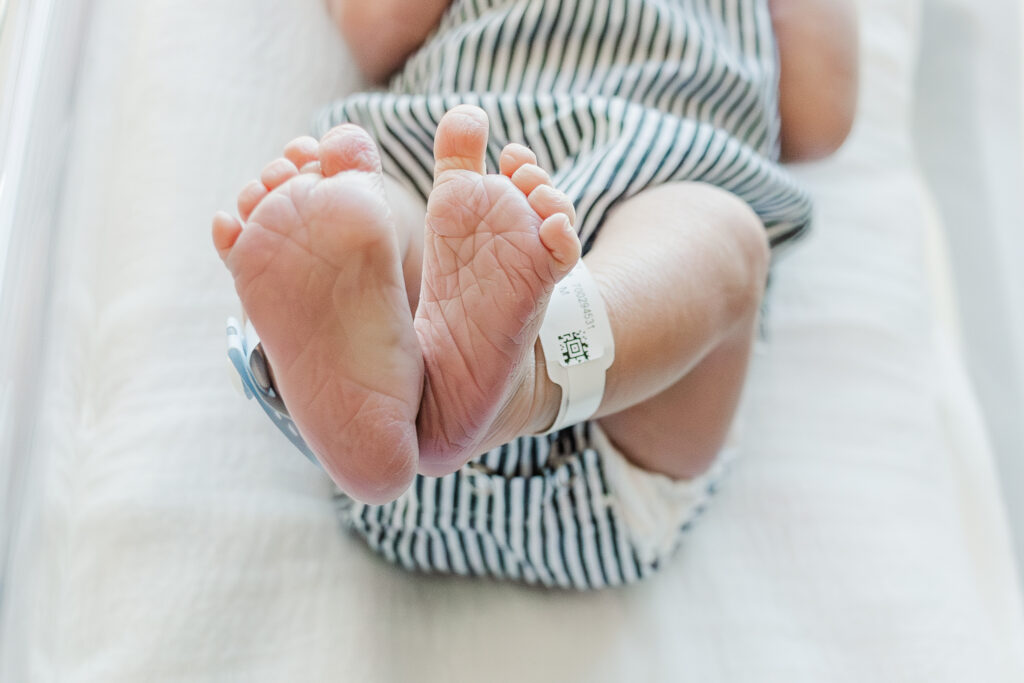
(540, 510)
(614, 96)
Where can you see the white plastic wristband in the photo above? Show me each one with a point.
(578, 346)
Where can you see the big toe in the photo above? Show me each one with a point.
(461, 141)
(348, 148)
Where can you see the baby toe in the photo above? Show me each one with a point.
(529, 177)
(562, 242)
(547, 201)
(225, 232)
(348, 148)
(461, 141)
(277, 172)
(302, 151)
(251, 195)
(513, 157)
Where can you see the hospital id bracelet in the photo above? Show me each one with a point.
(578, 345)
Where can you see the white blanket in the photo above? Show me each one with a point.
(178, 537)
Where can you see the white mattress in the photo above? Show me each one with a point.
(969, 81)
(174, 535)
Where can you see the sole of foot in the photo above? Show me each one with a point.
(316, 263)
(494, 248)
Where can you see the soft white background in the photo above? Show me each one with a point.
(967, 133)
(165, 532)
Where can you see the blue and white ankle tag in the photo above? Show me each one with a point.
(578, 345)
(246, 356)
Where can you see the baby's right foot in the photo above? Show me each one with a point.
(318, 270)
(495, 246)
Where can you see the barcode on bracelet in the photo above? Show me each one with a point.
(574, 347)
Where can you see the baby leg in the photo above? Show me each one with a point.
(682, 268)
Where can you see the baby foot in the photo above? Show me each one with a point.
(495, 246)
(318, 270)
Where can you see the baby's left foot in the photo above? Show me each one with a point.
(494, 248)
(319, 273)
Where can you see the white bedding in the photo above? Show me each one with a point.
(176, 536)
(975, 49)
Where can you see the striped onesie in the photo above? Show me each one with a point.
(613, 96)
